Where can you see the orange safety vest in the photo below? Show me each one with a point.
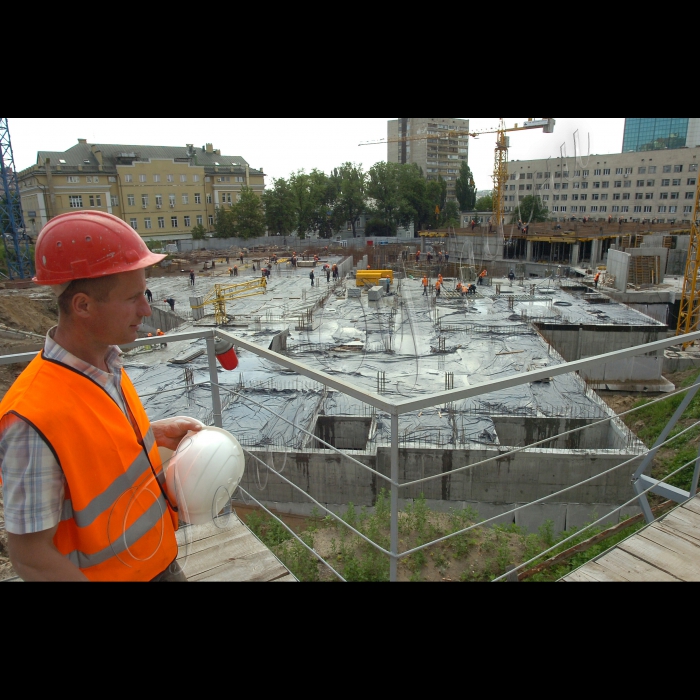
(425, 281)
(437, 285)
(116, 524)
(483, 274)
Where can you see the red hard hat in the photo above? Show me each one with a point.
(88, 244)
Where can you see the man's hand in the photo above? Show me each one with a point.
(169, 431)
(36, 558)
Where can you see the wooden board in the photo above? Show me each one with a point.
(693, 505)
(226, 550)
(664, 551)
(630, 568)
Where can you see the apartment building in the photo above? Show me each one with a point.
(441, 155)
(163, 192)
(651, 185)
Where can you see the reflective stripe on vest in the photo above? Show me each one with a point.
(115, 523)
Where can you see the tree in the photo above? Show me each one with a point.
(484, 203)
(199, 233)
(224, 223)
(351, 201)
(280, 213)
(324, 197)
(416, 206)
(248, 215)
(383, 190)
(531, 210)
(450, 214)
(465, 189)
(300, 186)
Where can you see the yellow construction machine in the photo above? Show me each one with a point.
(222, 293)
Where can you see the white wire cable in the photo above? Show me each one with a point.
(597, 522)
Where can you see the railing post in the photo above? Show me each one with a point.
(394, 544)
(214, 381)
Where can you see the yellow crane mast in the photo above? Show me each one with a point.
(689, 313)
(222, 293)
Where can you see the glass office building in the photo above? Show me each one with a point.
(652, 134)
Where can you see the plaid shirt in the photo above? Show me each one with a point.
(33, 482)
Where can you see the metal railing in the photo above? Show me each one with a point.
(395, 408)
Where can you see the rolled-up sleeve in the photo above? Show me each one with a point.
(32, 480)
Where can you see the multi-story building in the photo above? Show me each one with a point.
(436, 156)
(651, 185)
(163, 192)
(658, 134)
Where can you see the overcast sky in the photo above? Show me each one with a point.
(282, 146)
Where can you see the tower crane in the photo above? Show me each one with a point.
(17, 254)
(500, 170)
(689, 313)
(222, 293)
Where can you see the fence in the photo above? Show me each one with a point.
(394, 408)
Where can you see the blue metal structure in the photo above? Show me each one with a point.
(17, 253)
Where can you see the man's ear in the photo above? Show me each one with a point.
(82, 305)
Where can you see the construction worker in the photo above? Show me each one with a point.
(159, 332)
(81, 471)
(458, 288)
(472, 289)
(311, 277)
(482, 276)
(171, 302)
(230, 272)
(335, 271)
(192, 277)
(440, 278)
(595, 280)
(417, 256)
(149, 295)
(511, 276)
(241, 258)
(438, 286)
(425, 285)
(235, 270)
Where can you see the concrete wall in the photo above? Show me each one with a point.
(519, 430)
(618, 266)
(518, 478)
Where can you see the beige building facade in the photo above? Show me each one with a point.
(651, 185)
(441, 155)
(163, 192)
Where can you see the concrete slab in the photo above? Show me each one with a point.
(532, 518)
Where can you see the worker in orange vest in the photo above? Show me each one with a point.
(438, 286)
(87, 502)
(597, 277)
(425, 285)
(440, 278)
(459, 287)
(418, 256)
(482, 276)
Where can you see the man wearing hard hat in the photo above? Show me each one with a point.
(82, 477)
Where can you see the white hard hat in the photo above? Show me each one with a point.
(203, 473)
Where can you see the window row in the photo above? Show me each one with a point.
(642, 170)
(174, 222)
(156, 178)
(172, 199)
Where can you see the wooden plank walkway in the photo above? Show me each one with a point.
(666, 550)
(226, 550)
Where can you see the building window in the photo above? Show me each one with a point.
(564, 197)
(638, 209)
(171, 178)
(692, 182)
(200, 219)
(618, 183)
(690, 195)
(197, 198)
(625, 210)
(521, 188)
(208, 198)
(642, 171)
(133, 223)
(159, 200)
(616, 196)
(185, 199)
(112, 179)
(665, 182)
(594, 210)
(144, 200)
(618, 171)
(161, 222)
(647, 209)
(615, 210)
(142, 178)
(677, 182)
(693, 168)
(652, 170)
(667, 168)
(596, 185)
(675, 195)
(187, 222)
(183, 178)
(603, 209)
(606, 185)
(171, 199)
(640, 183)
(663, 195)
(582, 209)
(156, 178)
(195, 178)
(96, 200)
(72, 179)
(584, 197)
(147, 222)
(603, 196)
(128, 178)
(651, 183)
(596, 172)
(639, 195)
(585, 173)
(606, 171)
(114, 201)
(688, 210)
(662, 209)
(628, 171)
(648, 195)
(677, 168)
(131, 200)
(173, 221)
(574, 210)
(672, 210)
(76, 201)
(584, 185)
(596, 197)
(539, 176)
(562, 209)
(211, 220)
(574, 197)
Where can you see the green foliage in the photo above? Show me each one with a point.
(351, 202)
(484, 203)
(224, 222)
(153, 245)
(199, 233)
(280, 211)
(451, 214)
(531, 209)
(249, 216)
(465, 188)
(383, 190)
(304, 205)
